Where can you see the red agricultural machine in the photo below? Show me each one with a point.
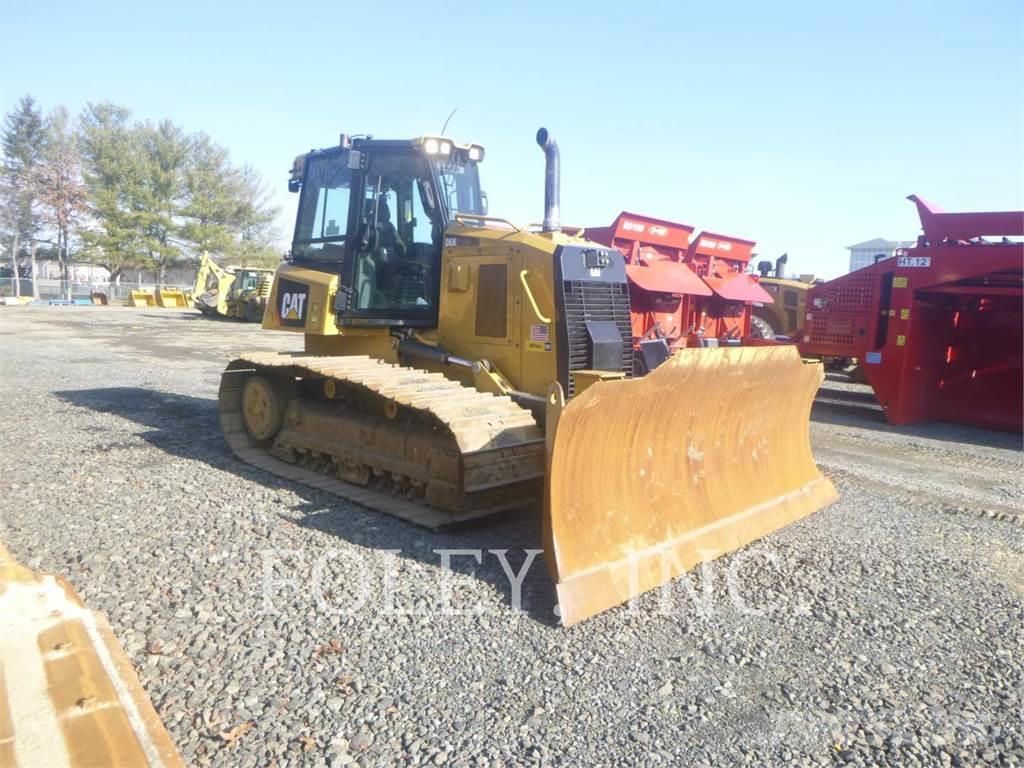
(682, 292)
(938, 327)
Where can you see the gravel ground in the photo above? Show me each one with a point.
(887, 629)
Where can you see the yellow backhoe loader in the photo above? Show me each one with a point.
(457, 365)
(239, 292)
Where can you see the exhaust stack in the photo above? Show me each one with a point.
(552, 180)
(780, 265)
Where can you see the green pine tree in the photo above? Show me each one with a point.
(257, 231)
(211, 209)
(113, 170)
(22, 140)
(164, 158)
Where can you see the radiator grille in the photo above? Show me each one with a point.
(587, 300)
(839, 308)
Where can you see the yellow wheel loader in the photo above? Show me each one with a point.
(786, 316)
(240, 292)
(458, 366)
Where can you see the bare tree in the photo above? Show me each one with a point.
(59, 187)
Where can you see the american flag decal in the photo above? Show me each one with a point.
(539, 333)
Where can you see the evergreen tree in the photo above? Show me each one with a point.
(256, 242)
(22, 141)
(112, 171)
(164, 157)
(157, 194)
(211, 211)
(227, 211)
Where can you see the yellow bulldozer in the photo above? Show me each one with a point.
(237, 292)
(457, 365)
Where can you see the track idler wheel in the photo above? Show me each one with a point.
(262, 407)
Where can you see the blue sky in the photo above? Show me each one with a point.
(800, 125)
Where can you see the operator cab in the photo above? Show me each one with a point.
(245, 280)
(375, 212)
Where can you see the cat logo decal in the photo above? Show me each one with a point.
(292, 303)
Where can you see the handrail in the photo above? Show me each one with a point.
(479, 217)
(529, 295)
(564, 229)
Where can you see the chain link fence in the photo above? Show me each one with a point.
(63, 290)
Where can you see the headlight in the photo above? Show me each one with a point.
(476, 153)
(437, 147)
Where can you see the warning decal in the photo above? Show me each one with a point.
(539, 333)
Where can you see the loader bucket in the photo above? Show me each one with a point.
(140, 299)
(649, 477)
(171, 299)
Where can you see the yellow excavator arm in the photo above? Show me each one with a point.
(207, 298)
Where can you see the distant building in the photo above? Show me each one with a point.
(179, 273)
(867, 253)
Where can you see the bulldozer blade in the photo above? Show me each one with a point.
(69, 695)
(649, 477)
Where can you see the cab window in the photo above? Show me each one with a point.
(397, 254)
(323, 209)
(460, 186)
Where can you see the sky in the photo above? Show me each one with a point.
(801, 125)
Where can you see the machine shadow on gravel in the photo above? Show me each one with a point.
(188, 427)
(858, 408)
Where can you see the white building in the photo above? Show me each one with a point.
(867, 253)
(179, 273)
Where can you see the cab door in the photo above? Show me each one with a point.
(392, 267)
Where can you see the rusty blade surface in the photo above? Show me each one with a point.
(649, 477)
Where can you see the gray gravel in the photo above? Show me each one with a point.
(887, 629)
